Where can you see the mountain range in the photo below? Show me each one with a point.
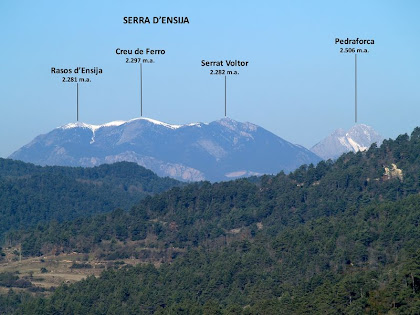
(341, 237)
(221, 150)
(358, 138)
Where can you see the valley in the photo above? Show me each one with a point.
(209, 158)
(263, 244)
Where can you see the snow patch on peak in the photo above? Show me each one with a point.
(358, 138)
(76, 125)
(117, 123)
(92, 127)
(198, 124)
(171, 126)
(167, 125)
(157, 122)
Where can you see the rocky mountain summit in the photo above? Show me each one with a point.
(221, 150)
(358, 138)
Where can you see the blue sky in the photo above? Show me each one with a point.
(297, 84)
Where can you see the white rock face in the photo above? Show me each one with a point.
(358, 138)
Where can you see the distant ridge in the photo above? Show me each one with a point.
(221, 150)
(358, 138)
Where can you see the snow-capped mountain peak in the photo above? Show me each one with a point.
(215, 151)
(118, 123)
(92, 127)
(358, 138)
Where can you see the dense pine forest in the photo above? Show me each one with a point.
(32, 194)
(340, 237)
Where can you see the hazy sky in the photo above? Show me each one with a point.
(297, 84)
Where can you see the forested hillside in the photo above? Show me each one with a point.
(340, 237)
(203, 212)
(32, 194)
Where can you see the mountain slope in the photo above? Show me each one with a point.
(220, 150)
(358, 138)
(32, 194)
(341, 237)
(182, 217)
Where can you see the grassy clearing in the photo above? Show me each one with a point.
(51, 271)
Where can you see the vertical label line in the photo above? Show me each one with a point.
(141, 90)
(355, 88)
(225, 96)
(77, 101)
